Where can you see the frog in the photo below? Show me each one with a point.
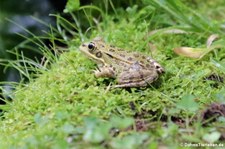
(129, 68)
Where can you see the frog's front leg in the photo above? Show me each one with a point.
(105, 71)
(136, 76)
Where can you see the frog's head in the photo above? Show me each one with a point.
(94, 49)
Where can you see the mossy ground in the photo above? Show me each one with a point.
(67, 107)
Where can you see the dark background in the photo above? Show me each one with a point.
(21, 12)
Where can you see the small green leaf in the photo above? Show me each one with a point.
(72, 5)
(188, 103)
(221, 119)
(219, 65)
(220, 96)
(212, 137)
(37, 118)
(60, 143)
(40, 120)
(132, 10)
(96, 130)
(121, 123)
(61, 115)
(68, 128)
(129, 142)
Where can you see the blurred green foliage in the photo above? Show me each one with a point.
(65, 106)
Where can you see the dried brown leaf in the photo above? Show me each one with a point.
(191, 52)
(210, 39)
(167, 31)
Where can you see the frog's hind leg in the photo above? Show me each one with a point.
(141, 83)
(136, 76)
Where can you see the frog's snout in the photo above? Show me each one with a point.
(83, 46)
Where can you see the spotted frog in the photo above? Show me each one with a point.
(131, 69)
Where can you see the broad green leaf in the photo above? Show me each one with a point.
(188, 103)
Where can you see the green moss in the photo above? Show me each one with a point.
(54, 107)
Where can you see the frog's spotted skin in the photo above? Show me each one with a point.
(131, 69)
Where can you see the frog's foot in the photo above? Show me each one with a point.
(104, 71)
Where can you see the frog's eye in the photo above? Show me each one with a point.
(91, 45)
